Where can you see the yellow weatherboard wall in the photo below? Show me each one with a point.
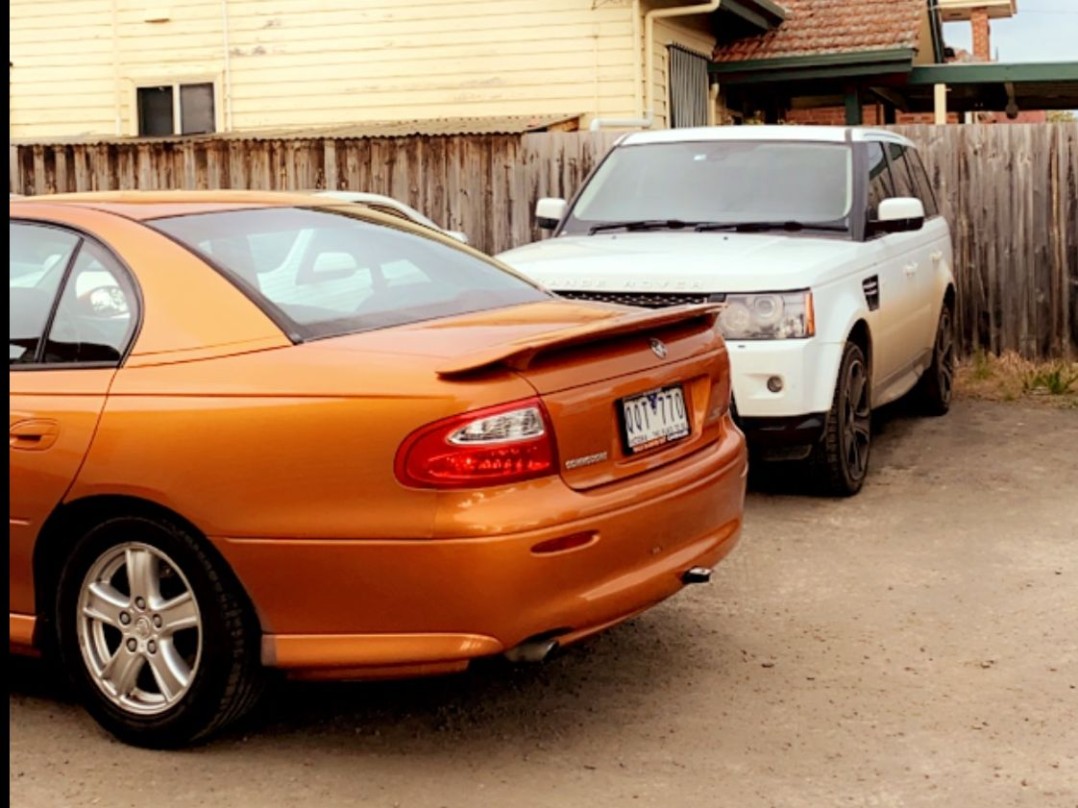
(76, 64)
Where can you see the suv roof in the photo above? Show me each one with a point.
(817, 134)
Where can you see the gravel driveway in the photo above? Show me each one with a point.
(914, 646)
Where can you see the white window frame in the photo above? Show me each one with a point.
(175, 82)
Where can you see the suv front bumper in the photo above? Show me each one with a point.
(782, 433)
(801, 373)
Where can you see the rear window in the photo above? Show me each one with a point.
(323, 273)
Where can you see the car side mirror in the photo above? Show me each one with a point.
(549, 212)
(901, 214)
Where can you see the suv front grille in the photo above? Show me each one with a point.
(647, 300)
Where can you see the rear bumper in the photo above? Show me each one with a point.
(346, 609)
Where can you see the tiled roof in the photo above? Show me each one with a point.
(815, 27)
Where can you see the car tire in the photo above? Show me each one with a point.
(935, 390)
(155, 634)
(840, 459)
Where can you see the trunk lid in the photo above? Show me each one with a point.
(612, 384)
(584, 360)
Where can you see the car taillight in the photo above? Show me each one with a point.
(492, 446)
(721, 400)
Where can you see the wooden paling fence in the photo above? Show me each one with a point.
(1010, 193)
(485, 185)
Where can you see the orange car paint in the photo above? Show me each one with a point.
(282, 456)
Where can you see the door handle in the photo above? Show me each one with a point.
(937, 256)
(34, 435)
(910, 270)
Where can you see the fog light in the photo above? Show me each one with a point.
(774, 384)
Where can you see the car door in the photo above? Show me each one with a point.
(913, 251)
(937, 234)
(68, 332)
(889, 292)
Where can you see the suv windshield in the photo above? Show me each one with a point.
(718, 183)
(323, 273)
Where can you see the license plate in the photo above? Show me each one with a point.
(654, 419)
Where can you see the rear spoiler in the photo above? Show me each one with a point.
(519, 355)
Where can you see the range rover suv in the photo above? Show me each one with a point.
(825, 248)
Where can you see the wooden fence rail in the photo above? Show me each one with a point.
(1010, 193)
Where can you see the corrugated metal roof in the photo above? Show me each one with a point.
(504, 125)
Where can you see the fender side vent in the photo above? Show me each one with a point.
(872, 292)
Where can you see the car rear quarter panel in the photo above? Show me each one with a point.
(294, 442)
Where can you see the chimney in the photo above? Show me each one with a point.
(982, 36)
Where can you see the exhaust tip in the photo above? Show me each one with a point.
(696, 575)
(532, 650)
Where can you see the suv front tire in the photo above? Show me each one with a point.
(841, 457)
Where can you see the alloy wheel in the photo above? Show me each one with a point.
(139, 628)
(856, 420)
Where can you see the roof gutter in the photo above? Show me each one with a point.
(995, 73)
(764, 14)
(814, 66)
(647, 114)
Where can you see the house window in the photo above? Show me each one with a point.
(176, 109)
(688, 87)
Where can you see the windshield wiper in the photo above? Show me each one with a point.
(705, 227)
(759, 227)
(643, 224)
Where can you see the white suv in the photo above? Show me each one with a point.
(823, 245)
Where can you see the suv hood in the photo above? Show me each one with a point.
(683, 262)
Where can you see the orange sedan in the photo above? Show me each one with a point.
(254, 431)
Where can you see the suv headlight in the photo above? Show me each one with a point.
(783, 315)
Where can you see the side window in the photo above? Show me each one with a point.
(95, 317)
(39, 258)
(880, 186)
(920, 176)
(900, 171)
